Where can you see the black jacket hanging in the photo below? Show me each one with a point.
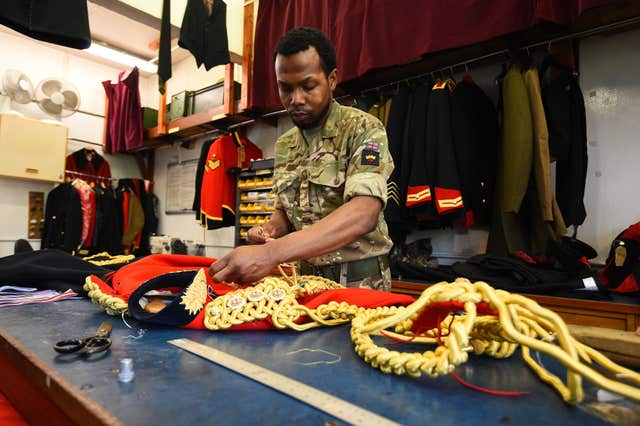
(566, 120)
(59, 22)
(164, 55)
(204, 35)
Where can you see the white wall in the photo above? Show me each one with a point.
(40, 60)
(610, 67)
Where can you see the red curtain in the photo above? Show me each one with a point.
(371, 34)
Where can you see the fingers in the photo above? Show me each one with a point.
(260, 235)
(256, 235)
(218, 266)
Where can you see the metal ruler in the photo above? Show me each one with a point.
(337, 407)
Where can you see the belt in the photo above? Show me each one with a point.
(357, 270)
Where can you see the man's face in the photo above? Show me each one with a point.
(305, 91)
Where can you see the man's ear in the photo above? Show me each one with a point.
(333, 79)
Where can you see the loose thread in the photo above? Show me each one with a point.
(337, 359)
(140, 331)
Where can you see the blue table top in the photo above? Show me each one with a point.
(172, 386)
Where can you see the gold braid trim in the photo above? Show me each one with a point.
(112, 305)
(272, 297)
(112, 260)
(521, 322)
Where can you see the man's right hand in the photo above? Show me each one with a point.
(260, 234)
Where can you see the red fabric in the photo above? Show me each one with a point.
(624, 278)
(91, 166)
(448, 200)
(88, 206)
(218, 185)
(127, 279)
(125, 211)
(417, 195)
(8, 414)
(382, 33)
(124, 114)
(435, 313)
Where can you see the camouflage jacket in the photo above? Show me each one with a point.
(349, 156)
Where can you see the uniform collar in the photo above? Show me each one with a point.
(330, 128)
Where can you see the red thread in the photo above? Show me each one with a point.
(485, 390)
(431, 317)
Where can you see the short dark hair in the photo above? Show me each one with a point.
(299, 39)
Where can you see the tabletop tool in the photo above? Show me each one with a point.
(99, 342)
(330, 404)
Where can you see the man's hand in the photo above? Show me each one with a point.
(245, 264)
(261, 234)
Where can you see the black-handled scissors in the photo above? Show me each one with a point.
(100, 342)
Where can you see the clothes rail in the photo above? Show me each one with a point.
(85, 141)
(577, 35)
(72, 172)
(282, 111)
(93, 114)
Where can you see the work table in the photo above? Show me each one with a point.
(172, 386)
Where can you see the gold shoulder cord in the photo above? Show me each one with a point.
(520, 322)
(276, 298)
(105, 258)
(112, 305)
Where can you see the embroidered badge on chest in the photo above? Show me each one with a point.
(212, 163)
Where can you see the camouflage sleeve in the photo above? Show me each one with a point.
(370, 164)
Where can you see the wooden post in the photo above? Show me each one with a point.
(162, 111)
(229, 90)
(247, 57)
(105, 128)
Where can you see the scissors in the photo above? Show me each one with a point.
(99, 342)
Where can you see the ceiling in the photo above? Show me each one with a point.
(129, 29)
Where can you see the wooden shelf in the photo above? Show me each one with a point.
(194, 125)
(614, 315)
(230, 113)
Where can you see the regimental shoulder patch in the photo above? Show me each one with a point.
(439, 85)
(370, 157)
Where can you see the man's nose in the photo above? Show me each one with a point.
(297, 97)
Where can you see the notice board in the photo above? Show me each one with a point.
(181, 187)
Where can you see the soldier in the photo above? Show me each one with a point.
(330, 179)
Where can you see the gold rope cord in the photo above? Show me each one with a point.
(275, 297)
(108, 259)
(112, 305)
(521, 322)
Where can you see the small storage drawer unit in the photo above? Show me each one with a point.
(255, 200)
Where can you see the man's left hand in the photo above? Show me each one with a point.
(244, 264)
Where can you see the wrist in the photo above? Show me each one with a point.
(274, 248)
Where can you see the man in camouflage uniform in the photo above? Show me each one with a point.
(330, 178)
